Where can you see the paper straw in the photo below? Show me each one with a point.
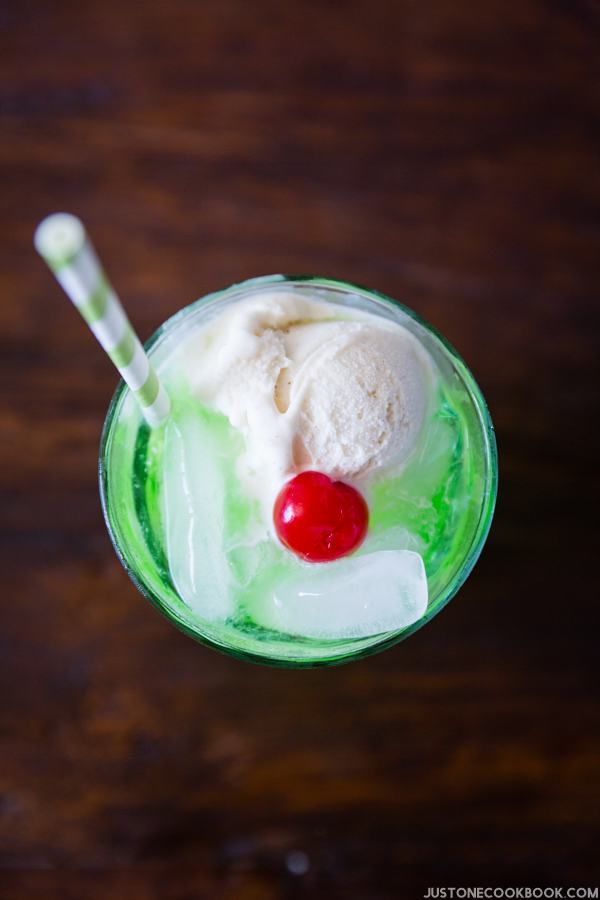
(62, 241)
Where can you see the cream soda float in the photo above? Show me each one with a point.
(322, 472)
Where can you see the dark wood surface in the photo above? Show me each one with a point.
(445, 152)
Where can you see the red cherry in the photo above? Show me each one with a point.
(320, 519)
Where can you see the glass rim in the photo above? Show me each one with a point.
(480, 532)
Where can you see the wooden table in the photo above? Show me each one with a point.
(446, 153)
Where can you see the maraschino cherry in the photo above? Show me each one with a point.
(320, 519)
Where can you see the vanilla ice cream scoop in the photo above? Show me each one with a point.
(358, 398)
(312, 385)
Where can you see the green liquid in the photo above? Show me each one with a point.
(433, 505)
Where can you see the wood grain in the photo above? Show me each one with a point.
(447, 154)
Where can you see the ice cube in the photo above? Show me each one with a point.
(349, 598)
(193, 507)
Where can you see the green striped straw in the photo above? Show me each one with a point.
(62, 241)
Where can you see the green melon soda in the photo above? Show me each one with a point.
(189, 513)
